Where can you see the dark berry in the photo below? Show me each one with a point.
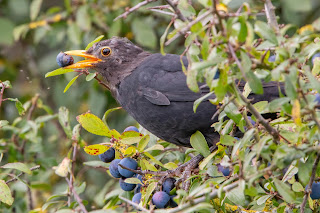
(160, 199)
(113, 168)
(315, 190)
(136, 198)
(251, 121)
(138, 188)
(317, 55)
(129, 163)
(317, 98)
(108, 155)
(126, 186)
(272, 58)
(217, 75)
(131, 128)
(224, 170)
(168, 185)
(64, 60)
(172, 203)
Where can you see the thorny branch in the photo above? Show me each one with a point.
(76, 196)
(176, 10)
(314, 169)
(271, 16)
(16, 178)
(136, 7)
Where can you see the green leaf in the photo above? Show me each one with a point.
(133, 180)
(227, 140)
(19, 166)
(155, 147)
(264, 31)
(297, 187)
(65, 121)
(90, 76)
(152, 186)
(237, 196)
(94, 41)
(59, 71)
(3, 123)
(143, 143)
(290, 89)
(192, 80)
(163, 38)
(5, 193)
(95, 125)
(7, 84)
(285, 191)
(35, 9)
(19, 105)
(6, 36)
(242, 36)
(199, 143)
(199, 100)
(262, 200)
(304, 172)
(144, 34)
(207, 160)
(314, 82)
(106, 114)
(96, 164)
(70, 83)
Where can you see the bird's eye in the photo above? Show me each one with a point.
(106, 51)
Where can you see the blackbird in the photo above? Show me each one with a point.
(152, 88)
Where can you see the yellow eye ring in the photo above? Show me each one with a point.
(106, 51)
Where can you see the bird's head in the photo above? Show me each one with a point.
(114, 58)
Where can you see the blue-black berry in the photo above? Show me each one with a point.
(136, 198)
(224, 170)
(108, 155)
(272, 58)
(131, 128)
(129, 163)
(317, 55)
(126, 186)
(168, 185)
(315, 190)
(160, 199)
(113, 168)
(64, 60)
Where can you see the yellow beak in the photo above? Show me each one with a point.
(89, 62)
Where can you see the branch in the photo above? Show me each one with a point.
(16, 178)
(1, 92)
(176, 10)
(77, 197)
(134, 204)
(215, 10)
(137, 6)
(314, 169)
(271, 16)
(189, 25)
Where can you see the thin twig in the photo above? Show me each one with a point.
(1, 92)
(176, 10)
(314, 168)
(134, 204)
(189, 25)
(271, 16)
(137, 6)
(16, 178)
(77, 197)
(215, 10)
(162, 12)
(33, 106)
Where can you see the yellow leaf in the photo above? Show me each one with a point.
(130, 150)
(95, 149)
(5, 193)
(170, 165)
(296, 112)
(95, 125)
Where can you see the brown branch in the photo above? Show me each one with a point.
(162, 12)
(215, 10)
(134, 204)
(271, 16)
(176, 10)
(137, 6)
(77, 197)
(189, 25)
(314, 169)
(16, 178)
(1, 93)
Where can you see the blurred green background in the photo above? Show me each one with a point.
(34, 32)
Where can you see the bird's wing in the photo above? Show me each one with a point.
(164, 81)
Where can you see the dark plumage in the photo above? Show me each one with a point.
(152, 89)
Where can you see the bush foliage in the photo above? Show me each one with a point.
(48, 163)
